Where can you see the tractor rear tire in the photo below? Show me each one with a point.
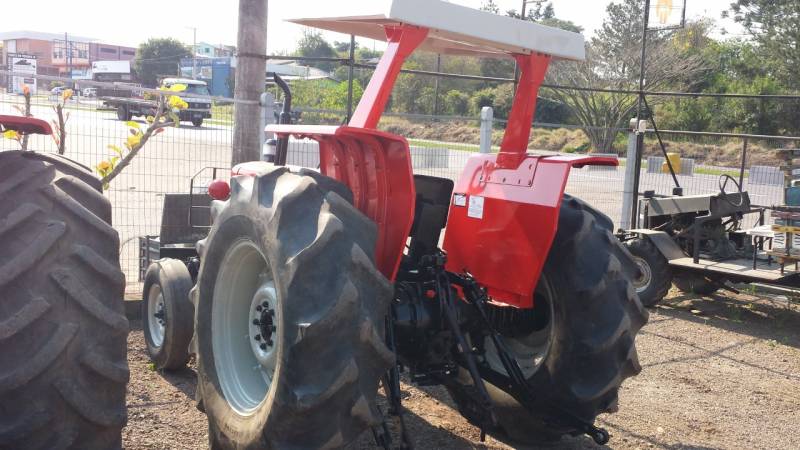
(167, 313)
(655, 275)
(289, 265)
(594, 315)
(63, 334)
(689, 283)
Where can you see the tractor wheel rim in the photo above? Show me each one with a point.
(244, 368)
(642, 282)
(156, 315)
(530, 351)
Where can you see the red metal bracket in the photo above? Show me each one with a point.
(25, 125)
(403, 40)
(533, 68)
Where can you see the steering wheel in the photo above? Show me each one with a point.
(723, 183)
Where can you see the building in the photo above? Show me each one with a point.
(60, 54)
(206, 50)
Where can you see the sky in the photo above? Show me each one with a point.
(215, 21)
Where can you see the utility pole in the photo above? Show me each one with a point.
(67, 55)
(251, 72)
(436, 85)
(640, 136)
(194, 52)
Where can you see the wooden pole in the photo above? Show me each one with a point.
(251, 71)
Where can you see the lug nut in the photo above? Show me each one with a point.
(264, 304)
(259, 308)
(256, 322)
(257, 337)
(263, 346)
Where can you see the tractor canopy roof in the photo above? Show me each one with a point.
(453, 29)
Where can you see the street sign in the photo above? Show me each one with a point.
(667, 14)
(23, 70)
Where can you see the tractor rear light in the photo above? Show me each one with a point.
(219, 190)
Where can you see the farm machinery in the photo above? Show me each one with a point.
(700, 243)
(63, 334)
(315, 287)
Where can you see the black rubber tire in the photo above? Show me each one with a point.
(197, 123)
(694, 284)
(331, 350)
(596, 315)
(660, 273)
(123, 113)
(63, 333)
(175, 282)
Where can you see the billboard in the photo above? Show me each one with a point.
(23, 69)
(111, 67)
(667, 14)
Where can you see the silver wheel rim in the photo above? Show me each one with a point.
(244, 320)
(156, 315)
(530, 351)
(642, 282)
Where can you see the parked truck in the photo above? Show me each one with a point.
(137, 105)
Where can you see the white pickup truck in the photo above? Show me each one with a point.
(199, 108)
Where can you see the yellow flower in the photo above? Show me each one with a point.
(26, 90)
(103, 166)
(176, 102)
(11, 134)
(133, 141)
(67, 94)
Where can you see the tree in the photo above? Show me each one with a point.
(775, 26)
(312, 44)
(491, 6)
(612, 62)
(159, 57)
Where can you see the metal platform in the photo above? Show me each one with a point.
(454, 29)
(742, 270)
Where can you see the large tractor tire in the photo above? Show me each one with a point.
(290, 315)
(63, 334)
(655, 275)
(579, 347)
(167, 313)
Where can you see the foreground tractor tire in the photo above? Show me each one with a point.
(581, 347)
(63, 334)
(290, 316)
(167, 313)
(694, 284)
(655, 275)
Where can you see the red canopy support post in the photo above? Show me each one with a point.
(533, 68)
(403, 40)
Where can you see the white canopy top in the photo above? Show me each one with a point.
(454, 29)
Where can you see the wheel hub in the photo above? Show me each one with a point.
(642, 282)
(244, 321)
(157, 315)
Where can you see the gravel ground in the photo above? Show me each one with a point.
(721, 372)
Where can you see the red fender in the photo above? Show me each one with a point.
(502, 221)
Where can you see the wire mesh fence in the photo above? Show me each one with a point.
(440, 146)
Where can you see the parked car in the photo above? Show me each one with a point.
(58, 90)
(90, 92)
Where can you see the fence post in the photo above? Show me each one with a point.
(629, 190)
(487, 121)
(267, 116)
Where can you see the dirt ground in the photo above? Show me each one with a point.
(718, 373)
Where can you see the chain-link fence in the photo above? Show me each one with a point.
(439, 145)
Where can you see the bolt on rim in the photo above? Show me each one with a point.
(642, 282)
(245, 314)
(156, 315)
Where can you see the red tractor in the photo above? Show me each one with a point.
(314, 287)
(63, 333)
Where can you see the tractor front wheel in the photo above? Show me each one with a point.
(655, 276)
(290, 315)
(579, 346)
(167, 313)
